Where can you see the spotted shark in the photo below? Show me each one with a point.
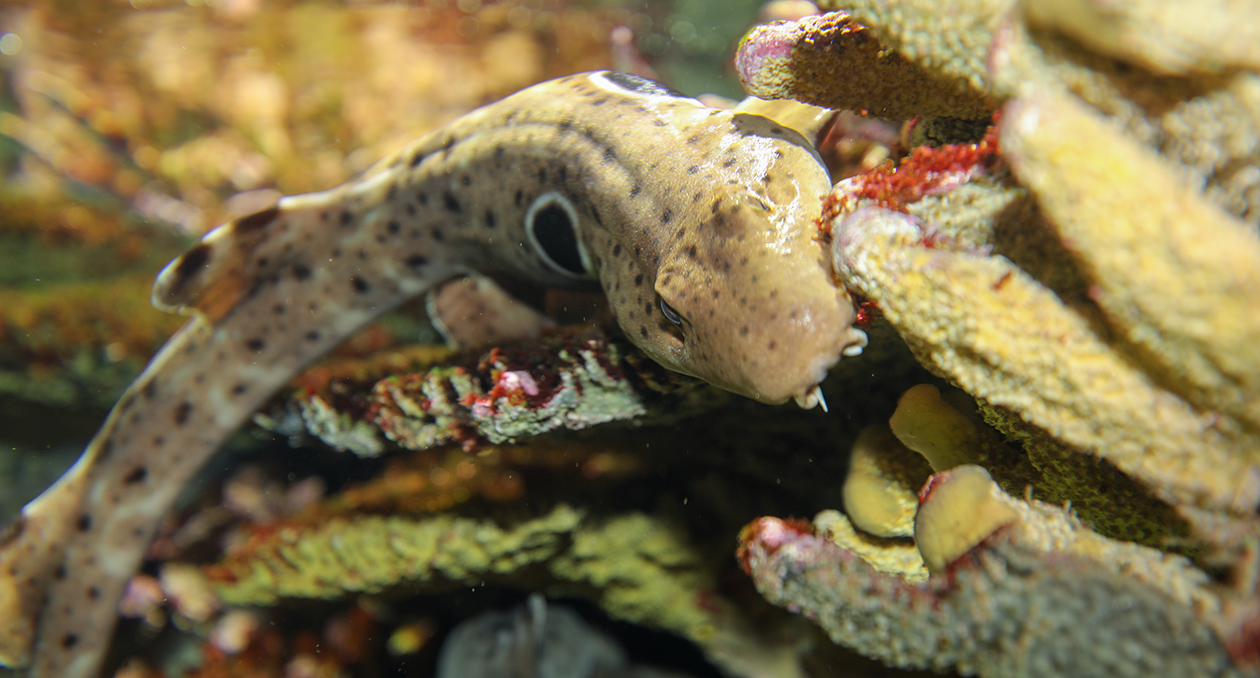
(696, 223)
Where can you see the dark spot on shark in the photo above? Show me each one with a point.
(136, 475)
(346, 218)
(359, 284)
(84, 523)
(256, 344)
(416, 261)
(182, 412)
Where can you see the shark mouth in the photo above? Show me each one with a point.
(812, 397)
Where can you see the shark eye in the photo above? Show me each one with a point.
(670, 314)
(551, 224)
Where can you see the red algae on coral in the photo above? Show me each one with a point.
(926, 171)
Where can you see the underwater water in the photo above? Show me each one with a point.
(944, 357)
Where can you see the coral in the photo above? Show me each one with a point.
(796, 60)
(899, 557)
(383, 551)
(1085, 272)
(1004, 610)
(1155, 36)
(928, 425)
(880, 488)
(1019, 588)
(637, 567)
(985, 324)
(961, 507)
(1195, 104)
(570, 380)
(1176, 277)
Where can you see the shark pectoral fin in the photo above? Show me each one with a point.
(473, 311)
(211, 278)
